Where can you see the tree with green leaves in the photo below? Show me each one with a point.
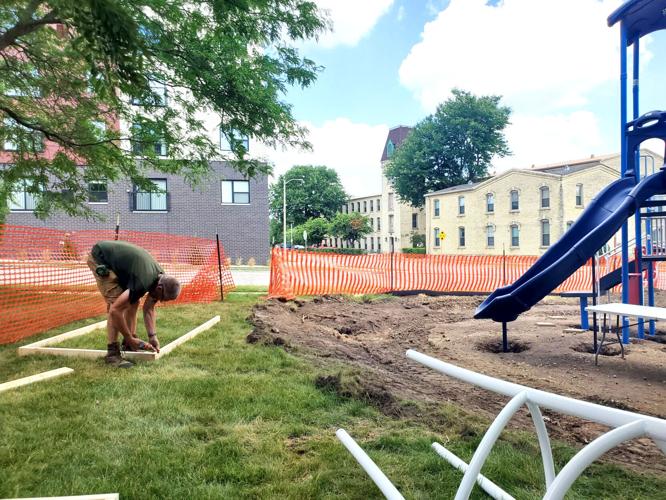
(317, 229)
(453, 146)
(318, 194)
(350, 227)
(107, 81)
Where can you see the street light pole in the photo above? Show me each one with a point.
(284, 208)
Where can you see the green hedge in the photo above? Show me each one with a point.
(414, 250)
(348, 251)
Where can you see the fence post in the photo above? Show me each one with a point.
(219, 266)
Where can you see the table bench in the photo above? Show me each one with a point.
(626, 311)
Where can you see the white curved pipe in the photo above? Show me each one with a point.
(544, 443)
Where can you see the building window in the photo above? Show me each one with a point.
(515, 205)
(379, 224)
(97, 192)
(372, 223)
(515, 235)
(146, 143)
(415, 221)
(153, 200)
(435, 208)
(490, 235)
(390, 148)
(461, 205)
(390, 228)
(378, 205)
(33, 140)
(159, 98)
(579, 195)
(20, 199)
(379, 244)
(365, 243)
(490, 202)
(390, 201)
(435, 235)
(237, 192)
(372, 243)
(461, 236)
(372, 202)
(545, 197)
(227, 138)
(365, 207)
(545, 233)
(569, 224)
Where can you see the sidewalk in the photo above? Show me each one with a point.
(251, 275)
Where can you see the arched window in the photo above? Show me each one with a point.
(435, 235)
(515, 235)
(579, 195)
(515, 204)
(490, 235)
(545, 197)
(490, 202)
(461, 236)
(545, 233)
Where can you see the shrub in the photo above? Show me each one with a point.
(346, 251)
(414, 250)
(251, 261)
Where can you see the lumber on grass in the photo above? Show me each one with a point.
(84, 353)
(188, 336)
(58, 372)
(68, 335)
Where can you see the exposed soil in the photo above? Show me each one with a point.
(372, 336)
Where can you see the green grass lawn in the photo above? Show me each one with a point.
(219, 418)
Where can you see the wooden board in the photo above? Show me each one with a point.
(41, 347)
(58, 372)
(84, 353)
(188, 336)
(68, 335)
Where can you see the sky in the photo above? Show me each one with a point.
(556, 64)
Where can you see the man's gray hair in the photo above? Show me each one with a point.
(170, 287)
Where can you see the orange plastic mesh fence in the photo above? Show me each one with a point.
(311, 273)
(45, 282)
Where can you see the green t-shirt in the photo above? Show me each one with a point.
(136, 269)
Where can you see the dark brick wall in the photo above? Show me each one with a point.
(243, 229)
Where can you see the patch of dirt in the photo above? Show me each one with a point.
(606, 350)
(371, 336)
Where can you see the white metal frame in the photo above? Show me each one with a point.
(41, 347)
(101, 496)
(624, 425)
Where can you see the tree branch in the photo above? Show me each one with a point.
(25, 27)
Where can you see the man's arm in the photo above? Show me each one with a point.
(120, 307)
(149, 318)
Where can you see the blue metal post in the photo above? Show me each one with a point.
(623, 171)
(584, 320)
(637, 171)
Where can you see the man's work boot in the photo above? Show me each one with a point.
(114, 358)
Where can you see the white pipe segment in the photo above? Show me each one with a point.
(369, 466)
(611, 417)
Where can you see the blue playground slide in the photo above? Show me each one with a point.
(602, 218)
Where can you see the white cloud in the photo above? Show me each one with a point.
(539, 140)
(353, 149)
(520, 49)
(352, 20)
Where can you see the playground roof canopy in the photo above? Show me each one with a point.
(640, 17)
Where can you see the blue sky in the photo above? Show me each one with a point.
(390, 62)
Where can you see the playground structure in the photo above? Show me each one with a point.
(613, 206)
(624, 426)
(607, 214)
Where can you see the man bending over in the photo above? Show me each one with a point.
(125, 273)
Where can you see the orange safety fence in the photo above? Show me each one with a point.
(311, 273)
(45, 282)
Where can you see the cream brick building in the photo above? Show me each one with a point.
(520, 211)
(389, 217)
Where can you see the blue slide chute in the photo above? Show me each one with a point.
(602, 218)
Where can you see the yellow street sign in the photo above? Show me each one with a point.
(442, 235)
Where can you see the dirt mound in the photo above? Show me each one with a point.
(606, 350)
(369, 336)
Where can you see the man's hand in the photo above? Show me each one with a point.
(154, 341)
(139, 345)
